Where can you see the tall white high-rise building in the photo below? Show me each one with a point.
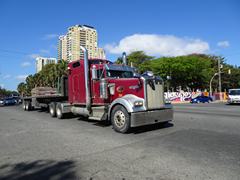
(69, 45)
(81, 35)
(40, 62)
(62, 48)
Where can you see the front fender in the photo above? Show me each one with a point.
(126, 102)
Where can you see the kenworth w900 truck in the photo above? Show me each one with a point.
(105, 91)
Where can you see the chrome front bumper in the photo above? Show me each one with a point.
(151, 117)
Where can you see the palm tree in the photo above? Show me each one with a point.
(62, 67)
(21, 87)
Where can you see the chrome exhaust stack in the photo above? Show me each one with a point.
(87, 82)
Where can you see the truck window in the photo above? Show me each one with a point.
(100, 74)
(119, 74)
(76, 64)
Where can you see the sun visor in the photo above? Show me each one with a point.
(118, 67)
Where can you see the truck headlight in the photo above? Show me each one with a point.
(138, 103)
(168, 101)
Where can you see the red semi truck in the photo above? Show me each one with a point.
(102, 90)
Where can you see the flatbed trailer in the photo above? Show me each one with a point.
(42, 101)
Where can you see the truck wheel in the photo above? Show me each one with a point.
(28, 106)
(24, 105)
(120, 119)
(52, 109)
(60, 114)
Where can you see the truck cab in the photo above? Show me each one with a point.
(102, 90)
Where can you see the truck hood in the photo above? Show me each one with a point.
(124, 86)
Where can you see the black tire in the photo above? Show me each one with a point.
(120, 119)
(52, 109)
(59, 113)
(28, 106)
(24, 105)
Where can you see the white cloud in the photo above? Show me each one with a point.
(224, 43)
(26, 64)
(2, 85)
(157, 45)
(33, 56)
(21, 77)
(7, 76)
(44, 51)
(50, 36)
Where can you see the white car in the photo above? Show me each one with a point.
(234, 96)
(1, 100)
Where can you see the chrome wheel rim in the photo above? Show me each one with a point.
(58, 111)
(51, 110)
(119, 118)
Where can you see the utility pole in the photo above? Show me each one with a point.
(219, 72)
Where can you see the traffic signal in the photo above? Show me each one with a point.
(229, 71)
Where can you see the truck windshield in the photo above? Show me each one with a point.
(234, 92)
(119, 74)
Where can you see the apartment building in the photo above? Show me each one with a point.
(40, 62)
(101, 54)
(69, 45)
(81, 35)
(62, 47)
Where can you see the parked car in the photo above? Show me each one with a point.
(202, 99)
(8, 101)
(19, 100)
(234, 96)
(1, 100)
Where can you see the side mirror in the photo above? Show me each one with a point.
(168, 78)
(136, 75)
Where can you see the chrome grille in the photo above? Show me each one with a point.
(154, 94)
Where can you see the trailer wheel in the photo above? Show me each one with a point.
(24, 105)
(120, 119)
(60, 114)
(52, 109)
(28, 106)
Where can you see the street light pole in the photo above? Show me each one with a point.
(211, 84)
(220, 87)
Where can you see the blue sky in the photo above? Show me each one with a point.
(30, 29)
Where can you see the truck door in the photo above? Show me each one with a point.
(78, 83)
(75, 81)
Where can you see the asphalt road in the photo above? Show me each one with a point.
(202, 142)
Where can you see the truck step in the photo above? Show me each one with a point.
(95, 118)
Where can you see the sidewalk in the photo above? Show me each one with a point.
(188, 102)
